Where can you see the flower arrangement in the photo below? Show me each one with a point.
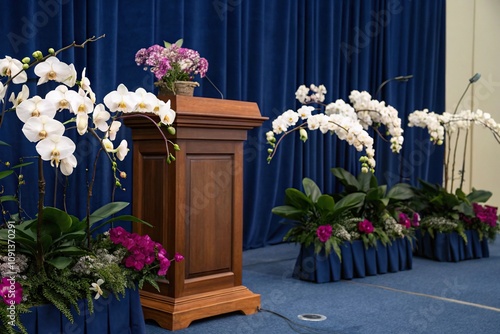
(348, 122)
(448, 208)
(171, 63)
(56, 257)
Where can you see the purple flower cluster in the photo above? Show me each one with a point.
(160, 60)
(486, 214)
(142, 250)
(324, 232)
(365, 226)
(407, 222)
(11, 291)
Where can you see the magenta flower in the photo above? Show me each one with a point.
(416, 219)
(404, 220)
(487, 214)
(365, 226)
(178, 257)
(324, 232)
(11, 291)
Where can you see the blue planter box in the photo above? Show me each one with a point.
(357, 261)
(451, 247)
(110, 316)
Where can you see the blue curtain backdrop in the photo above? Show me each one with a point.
(258, 51)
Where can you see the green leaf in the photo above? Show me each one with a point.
(325, 203)
(22, 165)
(479, 196)
(77, 235)
(8, 198)
(401, 191)
(350, 201)
(297, 199)
(54, 222)
(106, 211)
(60, 262)
(70, 251)
(130, 218)
(365, 181)
(5, 173)
(347, 179)
(289, 212)
(311, 189)
(2, 143)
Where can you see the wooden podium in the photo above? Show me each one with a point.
(196, 207)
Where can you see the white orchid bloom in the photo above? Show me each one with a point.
(108, 145)
(85, 85)
(58, 97)
(68, 164)
(21, 96)
(101, 117)
(53, 69)
(121, 100)
(82, 123)
(12, 67)
(167, 115)
(113, 129)
(55, 148)
(96, 287)
(122, 150)
(146, 101)
(70, 81)
(35, 107)
(79, 103)
(38, 128)
(3, 90)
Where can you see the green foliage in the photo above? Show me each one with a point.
(310, 209)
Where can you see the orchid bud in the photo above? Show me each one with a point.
(269, 150)
(176, 147)
(51, 51)
(303, 134)
(25, 66)
(123, 175)
(26, 60)
(171, 130)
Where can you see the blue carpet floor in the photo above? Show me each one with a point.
(433, 297)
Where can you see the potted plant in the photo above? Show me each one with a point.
(57, 259)
(173, 66)
(453, 218)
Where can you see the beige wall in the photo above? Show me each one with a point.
(473, 45)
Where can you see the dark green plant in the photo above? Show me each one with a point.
(311, 209)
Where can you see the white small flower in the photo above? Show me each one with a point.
(167, 115)
(13, 68)
(97, 288)
(122, 150)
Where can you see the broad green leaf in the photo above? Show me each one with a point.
(60, 262)
(2, 143)
(54, 222)
(365, 181)
(479, 196)
(350, 201)
(130, 218)
(77, 235)
(106, 211)
(46, 242)
(325, 203)
(401, 191)
(288, 212)
(297, 199)
(311, 189)
(347, 179)
(465, 208)
(5, 173)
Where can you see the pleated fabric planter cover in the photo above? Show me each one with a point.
(357, 261)
(110, 316)
(451, 247)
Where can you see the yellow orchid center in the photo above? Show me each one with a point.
(166, 119)
(142, 105)
(42, 134)
(81, 108)
(122, 105)
(55, 157)
(52, 75)
(35, 113)
(63, 104)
